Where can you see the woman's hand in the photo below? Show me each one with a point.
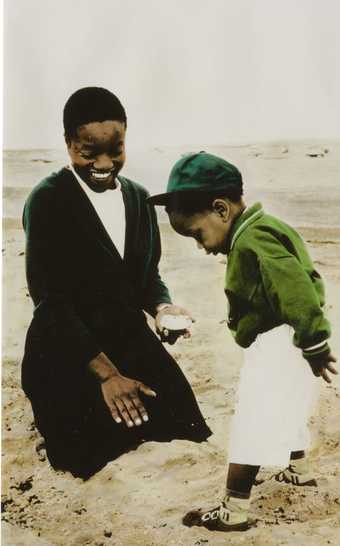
(121, 394)
(170, 336)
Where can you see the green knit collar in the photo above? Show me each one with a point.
(248, 216)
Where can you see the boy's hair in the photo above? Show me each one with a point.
(188, 203)
(91, 104)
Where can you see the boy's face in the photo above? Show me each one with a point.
(98, 153)
(209, 228)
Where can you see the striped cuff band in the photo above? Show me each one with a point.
(317, 346)
(316, 350)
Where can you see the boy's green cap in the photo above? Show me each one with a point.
(199, 172)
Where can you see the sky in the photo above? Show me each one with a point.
(188, 72)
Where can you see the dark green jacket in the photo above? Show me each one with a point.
(271, 280)
(76, 277)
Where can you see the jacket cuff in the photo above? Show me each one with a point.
(316, 356)
(161, 306)
(316, 350)
(151, 308)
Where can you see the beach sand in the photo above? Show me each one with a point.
(139, 499)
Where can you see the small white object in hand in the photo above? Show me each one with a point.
(175, 322)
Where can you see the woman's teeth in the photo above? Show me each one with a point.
(100, 176)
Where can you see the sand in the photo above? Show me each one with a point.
(139, 498)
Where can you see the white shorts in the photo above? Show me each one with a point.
(276, 396)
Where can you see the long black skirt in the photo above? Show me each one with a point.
(70, 413)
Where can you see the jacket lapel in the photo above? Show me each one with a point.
(242, 222)
(131, 214)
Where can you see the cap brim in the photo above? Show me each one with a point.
(160, 199)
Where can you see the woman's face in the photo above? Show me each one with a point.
(98, 153)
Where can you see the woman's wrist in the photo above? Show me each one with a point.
(102, 367)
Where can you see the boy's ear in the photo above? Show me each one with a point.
(222, 208)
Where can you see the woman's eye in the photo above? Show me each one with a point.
(113, 155)
(117, 153)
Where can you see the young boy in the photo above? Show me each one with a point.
(99, 380)
(276, 314)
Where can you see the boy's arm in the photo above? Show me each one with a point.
(294, 300)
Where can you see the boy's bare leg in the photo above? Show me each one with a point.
(294, 455)
(241, 479)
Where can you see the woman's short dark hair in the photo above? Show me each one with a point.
(192, 202)
(91, 104)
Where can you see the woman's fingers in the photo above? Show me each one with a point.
(122, 399)
(114, 410)
(132, 411)
(146, 390)
(115, 413)
(130, 408)
(185, 313)
(123, 411)
(140, 408)
(189, 315)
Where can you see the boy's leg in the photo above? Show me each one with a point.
(295, 455)
(298, 472)
(232, 514)
(241, 478)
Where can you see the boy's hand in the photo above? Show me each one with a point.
(171, 336)
(321, 366)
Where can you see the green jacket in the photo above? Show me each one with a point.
(271, 280)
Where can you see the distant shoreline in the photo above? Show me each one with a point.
(295, 180)
(326, 234)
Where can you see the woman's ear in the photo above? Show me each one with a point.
(222, 208)
(68, 141)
